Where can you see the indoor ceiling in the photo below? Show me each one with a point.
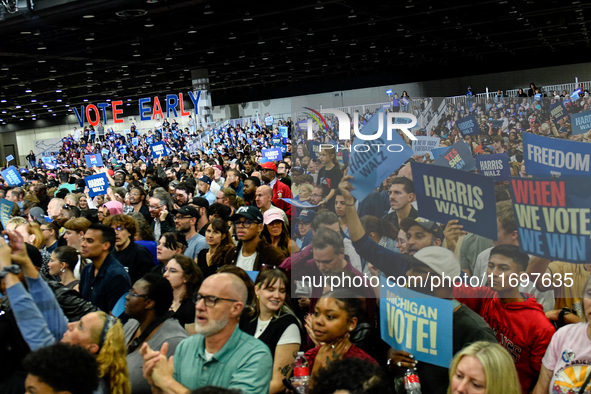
(61, 53)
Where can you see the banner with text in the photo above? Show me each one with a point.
(12, 177)
(5, 211)
(158, 150)
(93, 160)
(273, 154)
(444, 194)
(97, 184)
(458, 157)
(546, 156)
(424, 145)
(553, 217)
(581, 122)
(496, 166)
(468, 125)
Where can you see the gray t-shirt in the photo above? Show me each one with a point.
(195, 245)
(170, 331)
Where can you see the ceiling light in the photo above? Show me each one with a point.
(319, 5)
(41, 61)
(261, 41)
(33, 101)
(2, 101)
(208, 10)
(18, 107)
(166, 58)
(44, 106)
(334, 38)
(232, 36)
(59, 100)
(124, 66)
(352, 14)
(247, 17)
(40, 48)
(25, 32)
(284, 26)
(88, 16)
(28, 91)
(149, 25)
(210, 52)
(89, 39)
(310, 32)
(192, 31)
(85, 100)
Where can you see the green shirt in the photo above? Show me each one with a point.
(244, 363)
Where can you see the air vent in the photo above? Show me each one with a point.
(131, 13)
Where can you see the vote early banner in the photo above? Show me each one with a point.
(5, 211)
(553, 217)
(581, 122)
(444, 194)
(272, 154)
(417, 323)
(423, 145)
(458, 156)
(93, 160)
(12, 177)
(545, 157)
(468, 125)
(496, 166)
(158, 150)
(97, 184)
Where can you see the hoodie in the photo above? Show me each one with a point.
(520, 327)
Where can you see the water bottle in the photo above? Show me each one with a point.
(411, 382)
(301, 374)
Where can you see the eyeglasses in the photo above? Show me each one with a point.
(210, 301)
(152, 208)
(172, 270)
(246, 223)
(132, 294)
(179, 217)
(315, 195)
(135, 194)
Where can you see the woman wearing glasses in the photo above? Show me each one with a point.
(150, 320)
(185, 278)
(217, 236)
(272, 321)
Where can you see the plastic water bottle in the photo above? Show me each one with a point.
(411, 382)
(301, 374)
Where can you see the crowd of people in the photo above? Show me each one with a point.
(186, 276)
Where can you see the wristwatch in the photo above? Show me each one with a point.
(565, 311)
(13, 269)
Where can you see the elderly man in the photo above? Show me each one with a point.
(220, 354)
(280, 189)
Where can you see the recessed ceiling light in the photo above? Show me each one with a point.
(89, 39)
(18, 107)
(59, 100)
(88, 16)
(149, 25)
(44, 105)
(28, 91)
(58, 91)
(85, 100)
(41, 61)
(2, 101)
(41, 48)
(25, 32)
(33, 101)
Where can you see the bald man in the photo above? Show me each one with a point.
(263, 198)
(220, 354)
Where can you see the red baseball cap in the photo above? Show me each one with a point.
(269, 166)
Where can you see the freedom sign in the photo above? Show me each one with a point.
(158, 150)
(97, 184)
(417, 323)
(553, 217)
(581, 122)
(496, 166)
(468, 126)
(545, 156)
(272, 154)
(423, 145)
(457, 156)
(93, 160)
(12, 177)
(444, 194)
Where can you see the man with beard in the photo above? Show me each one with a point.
(136, 259)
(421, 233)
(119, 178)
(220, 354)
(137, 198)
(183, 194)
(250, 188)
(204, 187)
(282, 173)
(234, 181)
(185, 220)
(280, 189)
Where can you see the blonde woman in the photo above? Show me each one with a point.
(483, 367)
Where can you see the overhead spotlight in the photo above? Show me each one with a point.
(352, 14)
(319, 5)
(283, 26)
(334, 38)
(247, 17)
(149, 23)
(208, 10)
(232, 36)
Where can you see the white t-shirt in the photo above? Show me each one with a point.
(246, 263)
(569, 358)
(290, 335)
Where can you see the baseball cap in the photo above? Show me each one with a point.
(248, 212)
(486, 140)
(271, 215)
(187, 210)
(269, 166)
(38, 214)
(205, 179)
(307, 215)
(425, 224)
(297, 169)
(201, 202)
(439, 259)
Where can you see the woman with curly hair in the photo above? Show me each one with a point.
(43, 323)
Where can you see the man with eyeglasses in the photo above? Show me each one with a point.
(220, 354)
(280, 189)
(186, 219)
(159, 206)
(252, 250)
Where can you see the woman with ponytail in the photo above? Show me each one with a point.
(42, 321)
(330, 174)
(62, 263)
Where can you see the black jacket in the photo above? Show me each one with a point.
(266, 254)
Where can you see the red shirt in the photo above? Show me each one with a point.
(521, 327)
(353, 351)
(281, 190)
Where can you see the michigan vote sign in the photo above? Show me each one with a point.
(417, 323)
(553, 217)
(444, 194)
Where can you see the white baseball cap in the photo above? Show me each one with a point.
(439, 259)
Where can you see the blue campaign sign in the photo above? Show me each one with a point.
(158, 150)
(557, 112)
(283, 131)
(444, 194)
(253, 275)
(457, 156)
(104, 151)
(272, 154)
(123, 150)
(497, 123)
(93, 160)
(46, 160)
(135, 141)
(424, 145)
(468, 125)
(12, 177)
(581, 122)
(496, 166)
(299, 204)
(500, 105)
(545, 156)
(5, 211)
(436, 152)
(97, 184)
(9, 158)
(216, 140)
(405, 101)
(371, 162)
(314, 147)
(553, 217)
(417, 323)
(282, 147)
(150, 139)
